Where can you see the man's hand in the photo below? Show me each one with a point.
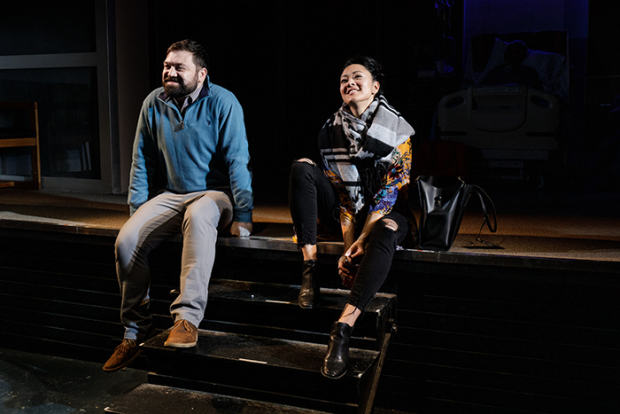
(240, 229)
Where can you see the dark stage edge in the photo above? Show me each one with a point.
(570, 247)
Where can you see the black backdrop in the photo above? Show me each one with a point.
(283, 61)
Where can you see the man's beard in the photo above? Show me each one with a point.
(181, 89)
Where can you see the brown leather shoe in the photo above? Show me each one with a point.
(182, 335)
(123, 355)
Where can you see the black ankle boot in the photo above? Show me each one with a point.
(310, 292)
(335, 364)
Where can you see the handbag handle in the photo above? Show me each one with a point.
(484, 196)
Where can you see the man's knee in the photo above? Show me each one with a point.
(214, 210)
(126, 241)
(126, 250)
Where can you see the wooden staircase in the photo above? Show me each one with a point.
(478, 332)
(258, 349)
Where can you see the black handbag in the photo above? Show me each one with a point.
(442, 203)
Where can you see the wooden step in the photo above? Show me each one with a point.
(268, 369)
(161, 399)
(269, 309)
(256, 343)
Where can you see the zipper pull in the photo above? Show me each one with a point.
(182, 124)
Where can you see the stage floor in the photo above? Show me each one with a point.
(531, 233)
(43, 384)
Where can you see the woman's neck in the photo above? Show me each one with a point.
(358, 110)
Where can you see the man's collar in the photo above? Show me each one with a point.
(194, 95)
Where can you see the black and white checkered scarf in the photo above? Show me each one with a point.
(354, 148)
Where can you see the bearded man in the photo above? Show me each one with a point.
(190, 175)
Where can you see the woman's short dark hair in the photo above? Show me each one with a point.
(371, 66)
(201, 59)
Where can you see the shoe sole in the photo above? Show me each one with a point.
(124, 364)
(334, 378)
(314, 305)
(175, 345)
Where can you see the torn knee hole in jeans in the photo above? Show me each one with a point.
(306, 160)
(390, 224)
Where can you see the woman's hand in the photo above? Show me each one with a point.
(354, 248)
(356, 251)
(347, 270)
(349, 263)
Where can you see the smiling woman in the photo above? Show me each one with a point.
(358, 88)
(360, 83)
(359, 192)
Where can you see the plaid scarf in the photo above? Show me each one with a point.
(356, 148)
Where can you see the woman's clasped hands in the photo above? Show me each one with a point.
(349, 263)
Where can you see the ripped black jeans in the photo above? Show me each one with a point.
(312, 196)
(387, 233)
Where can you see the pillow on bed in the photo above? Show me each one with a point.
(551, 68)
(496, 58)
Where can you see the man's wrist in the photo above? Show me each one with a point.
(242, 216)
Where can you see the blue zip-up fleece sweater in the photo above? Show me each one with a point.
(206, 149)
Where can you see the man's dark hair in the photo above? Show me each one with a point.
(201, 59)
(371, 66)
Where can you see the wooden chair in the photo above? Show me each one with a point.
(23, 136)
